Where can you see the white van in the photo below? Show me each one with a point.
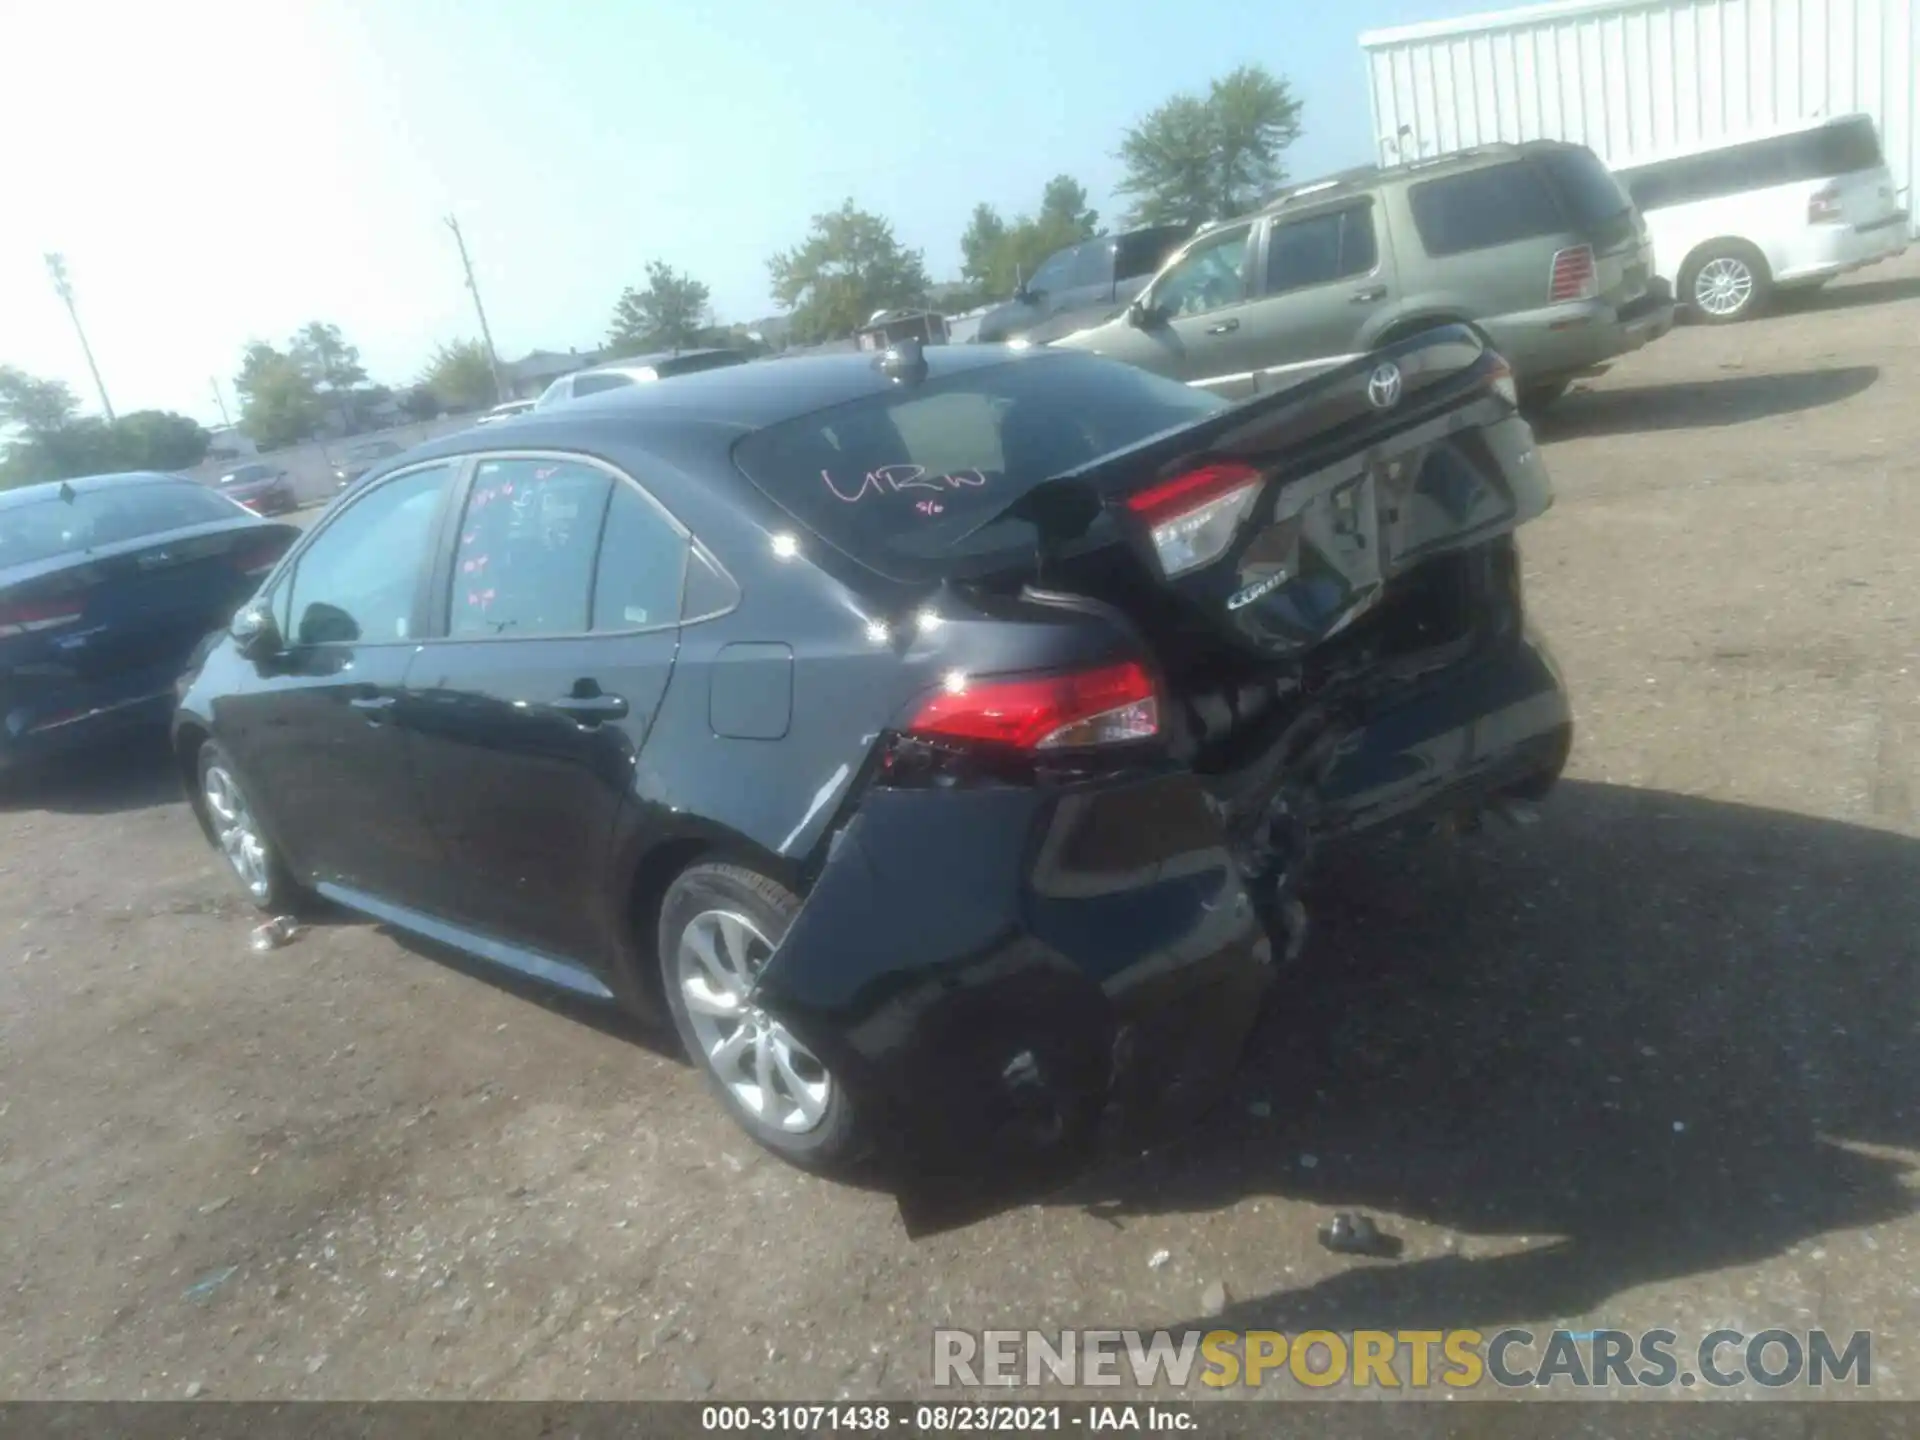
(1794, 206)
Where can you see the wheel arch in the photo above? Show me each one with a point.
(1725, 242)
(1406, 326)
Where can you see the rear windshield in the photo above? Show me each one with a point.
(898, 480)
(690, 364)
(1479, 209)
(1593, 197)
(42, 529)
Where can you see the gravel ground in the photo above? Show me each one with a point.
(1651, 1062)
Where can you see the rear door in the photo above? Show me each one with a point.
(559, 626)
(1324, 276)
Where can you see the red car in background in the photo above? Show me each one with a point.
(263, 489)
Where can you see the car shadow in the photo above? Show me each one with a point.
(1699, 404)
(1649, 1037)
(134, 772)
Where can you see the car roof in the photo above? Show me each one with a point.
(1362, 178)
(120, 480)
(659, 357)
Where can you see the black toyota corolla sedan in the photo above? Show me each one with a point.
(937, 738)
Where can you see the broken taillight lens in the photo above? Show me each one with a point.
(1500, 380)
(1193, 517)
(24, 617)
(1107, 706)
(1824, 207)
(1575, 276)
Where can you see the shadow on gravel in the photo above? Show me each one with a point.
(1651, 1033)
(1700, 404)
(134, 772)
(1845, 297)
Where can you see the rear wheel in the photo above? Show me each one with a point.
(1724, 282)
(262, 875)
(719, 924)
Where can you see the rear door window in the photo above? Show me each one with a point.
(1320, 249)
(1483, 208)
(524, 560)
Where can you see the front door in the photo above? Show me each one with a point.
(530, 710)
(320, 730)
(1192, 323)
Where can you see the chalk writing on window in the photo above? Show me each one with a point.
(900, 480)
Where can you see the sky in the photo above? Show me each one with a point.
(218, 172)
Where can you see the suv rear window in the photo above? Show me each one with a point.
(1483, 208)
(897, 480)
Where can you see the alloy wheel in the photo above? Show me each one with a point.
(1724, 286)
(772, 1075)
(236, 831)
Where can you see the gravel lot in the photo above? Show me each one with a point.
(1652, 1062)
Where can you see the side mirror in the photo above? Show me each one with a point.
(256, 634)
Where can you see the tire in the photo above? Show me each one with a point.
(718, 924)
(1536, 398)
(252, 861)
(1725, 282)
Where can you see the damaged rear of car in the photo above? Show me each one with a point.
(1140, 684)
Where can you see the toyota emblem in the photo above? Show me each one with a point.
(1383, 386)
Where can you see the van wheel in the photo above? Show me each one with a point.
(719, 924)
(1724, 282)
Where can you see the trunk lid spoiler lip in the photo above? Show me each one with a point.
(1063, 508)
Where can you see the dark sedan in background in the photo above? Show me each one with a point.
(936, 738)
(262, 488)
(106, 586)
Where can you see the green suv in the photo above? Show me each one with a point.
(1535, 243)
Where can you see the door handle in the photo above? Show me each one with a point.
(1372, 292)
(592, 709)
(1225, 327)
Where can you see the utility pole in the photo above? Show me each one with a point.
(57, 268)
(493, 359)
(220, 400)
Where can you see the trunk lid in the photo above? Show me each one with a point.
(1325, 492)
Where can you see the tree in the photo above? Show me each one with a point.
(996, 256)
(158, 440)
(668, 315)
(279, 397)
(1195, 159)
(850, 266)
(460, 376)
(33, 405)
(324, 354)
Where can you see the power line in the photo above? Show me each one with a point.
(220, 399)
(493, 359)
(57, 268)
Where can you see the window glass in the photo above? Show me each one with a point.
(41, 529)
(523, 563)
(1837, 149)
(1055, 272)
(594, 384)
(1321, 248)
(1144, 251)
(908, 481)
(1093, 265)
(1207, 277)
(1483, 208)
(643, 560)
(356, 581)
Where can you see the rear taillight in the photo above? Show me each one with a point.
(1108, 706)
(1575, 277)
(1823, 207)
(1500, 380)
(1194, 516)
(25, 617)
(260, 558)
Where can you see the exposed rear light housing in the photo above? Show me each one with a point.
(26, 617)
(1193, 517)
(1500, 380)
(1112, 705)
(1575, 275)
(1824, 207)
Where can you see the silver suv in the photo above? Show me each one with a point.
(1536, 243)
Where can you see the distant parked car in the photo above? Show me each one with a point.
(362, 458)
(1537, 244)
(637, 370)
(506, 411)
(262, 488)
(1777, 210)
(106, 586)
(1082, 285)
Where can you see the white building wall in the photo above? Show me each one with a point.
(1634, 77)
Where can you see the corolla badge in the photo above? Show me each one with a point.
(1253, 592)
(1383, 386)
